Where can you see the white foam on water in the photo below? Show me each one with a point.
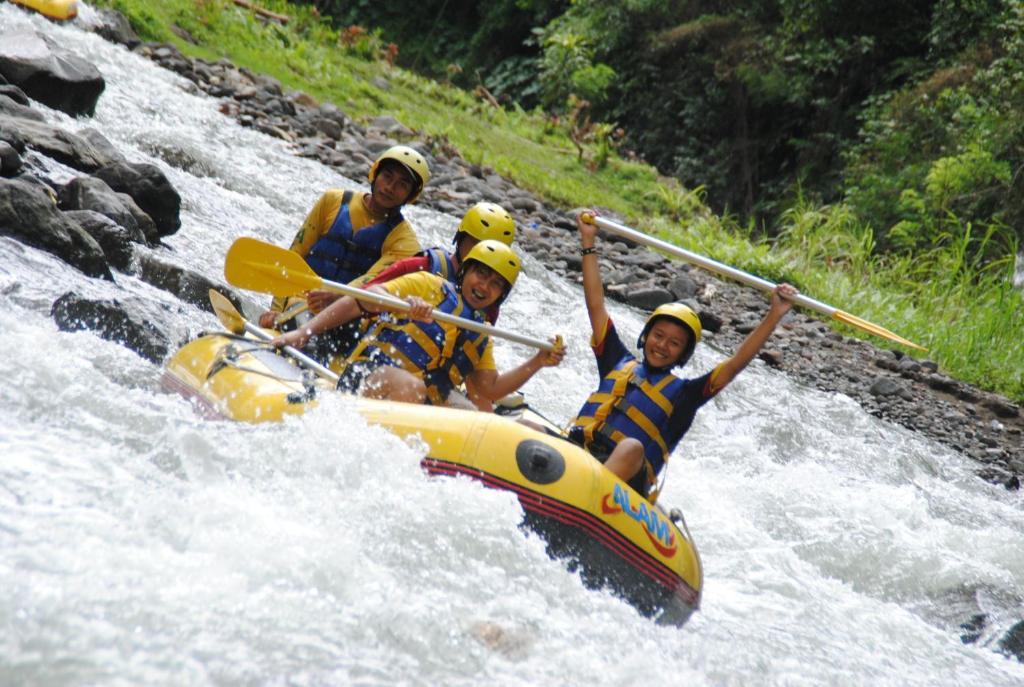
(144, 545)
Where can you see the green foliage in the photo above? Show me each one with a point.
(922, 242)
(567, 69)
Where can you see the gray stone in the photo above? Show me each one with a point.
(10, 160)
(50, 74)
(54, 142)
(12, 108)
(150, 189)
(115, 240)
(139, 325)
(186, 284)
(1002, 407)
(16, 94)
(90, 193)
(884, 386)
(115, 27)
(682, 286)
(28, 213)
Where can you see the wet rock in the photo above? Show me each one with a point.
(1012, 643)
(771, 356)
(908, 367)
(28, 213)
(115, 240)
(649, 298)
(90, 193)
(150, 189)
(102, 144)
(135, 323)
(709, 320)
(1002, 407)
(941, 382)
(50, 74)
(682, 286)
(115, 27)
(10, 160)
(884, 386)
(54, 142)
(14, 93)
(973, 628)
(186, 284)
(965, 393)
(12, 108)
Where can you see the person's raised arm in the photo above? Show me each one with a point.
(780, 305)
(593, 288)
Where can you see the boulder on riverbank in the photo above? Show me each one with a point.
(50, 74)
(141, 325)
(29, 214)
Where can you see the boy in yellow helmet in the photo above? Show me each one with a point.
(481, 222)
(349, 237)
(412, 357)
(640, 410)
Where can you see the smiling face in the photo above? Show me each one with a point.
(666, 342)
(393, 185)
(482, 286)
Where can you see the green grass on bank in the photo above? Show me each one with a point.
(968, 315)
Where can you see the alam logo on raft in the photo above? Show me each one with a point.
(656, 527)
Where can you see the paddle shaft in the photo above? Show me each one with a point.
(707, 263)
(261, 266)
(392, 303)
(295, 353)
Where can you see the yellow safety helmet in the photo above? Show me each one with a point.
(498, 257)
(486, 221)
(681, 314)
(412, 161)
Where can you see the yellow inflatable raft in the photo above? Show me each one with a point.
(55, 9)
(614, 537)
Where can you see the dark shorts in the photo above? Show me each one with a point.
(351, 380)
(325, 346)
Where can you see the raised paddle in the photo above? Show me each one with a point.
(260, 266)
(236, 323)
(744, 277)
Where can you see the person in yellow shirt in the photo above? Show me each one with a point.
(349, 237)
(413, 358)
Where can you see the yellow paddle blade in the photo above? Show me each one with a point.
(872, 328)
(227, 313)
(260, 266)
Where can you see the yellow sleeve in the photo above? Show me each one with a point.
(317, 223)
(423, 284)
(487, 359)
(400, 243)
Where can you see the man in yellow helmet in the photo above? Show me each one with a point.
(481, 222)
(640, 410)
(349, 236)
(413, 358)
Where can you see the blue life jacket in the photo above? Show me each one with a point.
(441, 264)
(443, 355)
(343, 254)
(632, 401)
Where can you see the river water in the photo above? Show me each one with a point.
(141, 545)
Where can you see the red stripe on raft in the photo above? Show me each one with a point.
(565, 513)
(206, 409)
